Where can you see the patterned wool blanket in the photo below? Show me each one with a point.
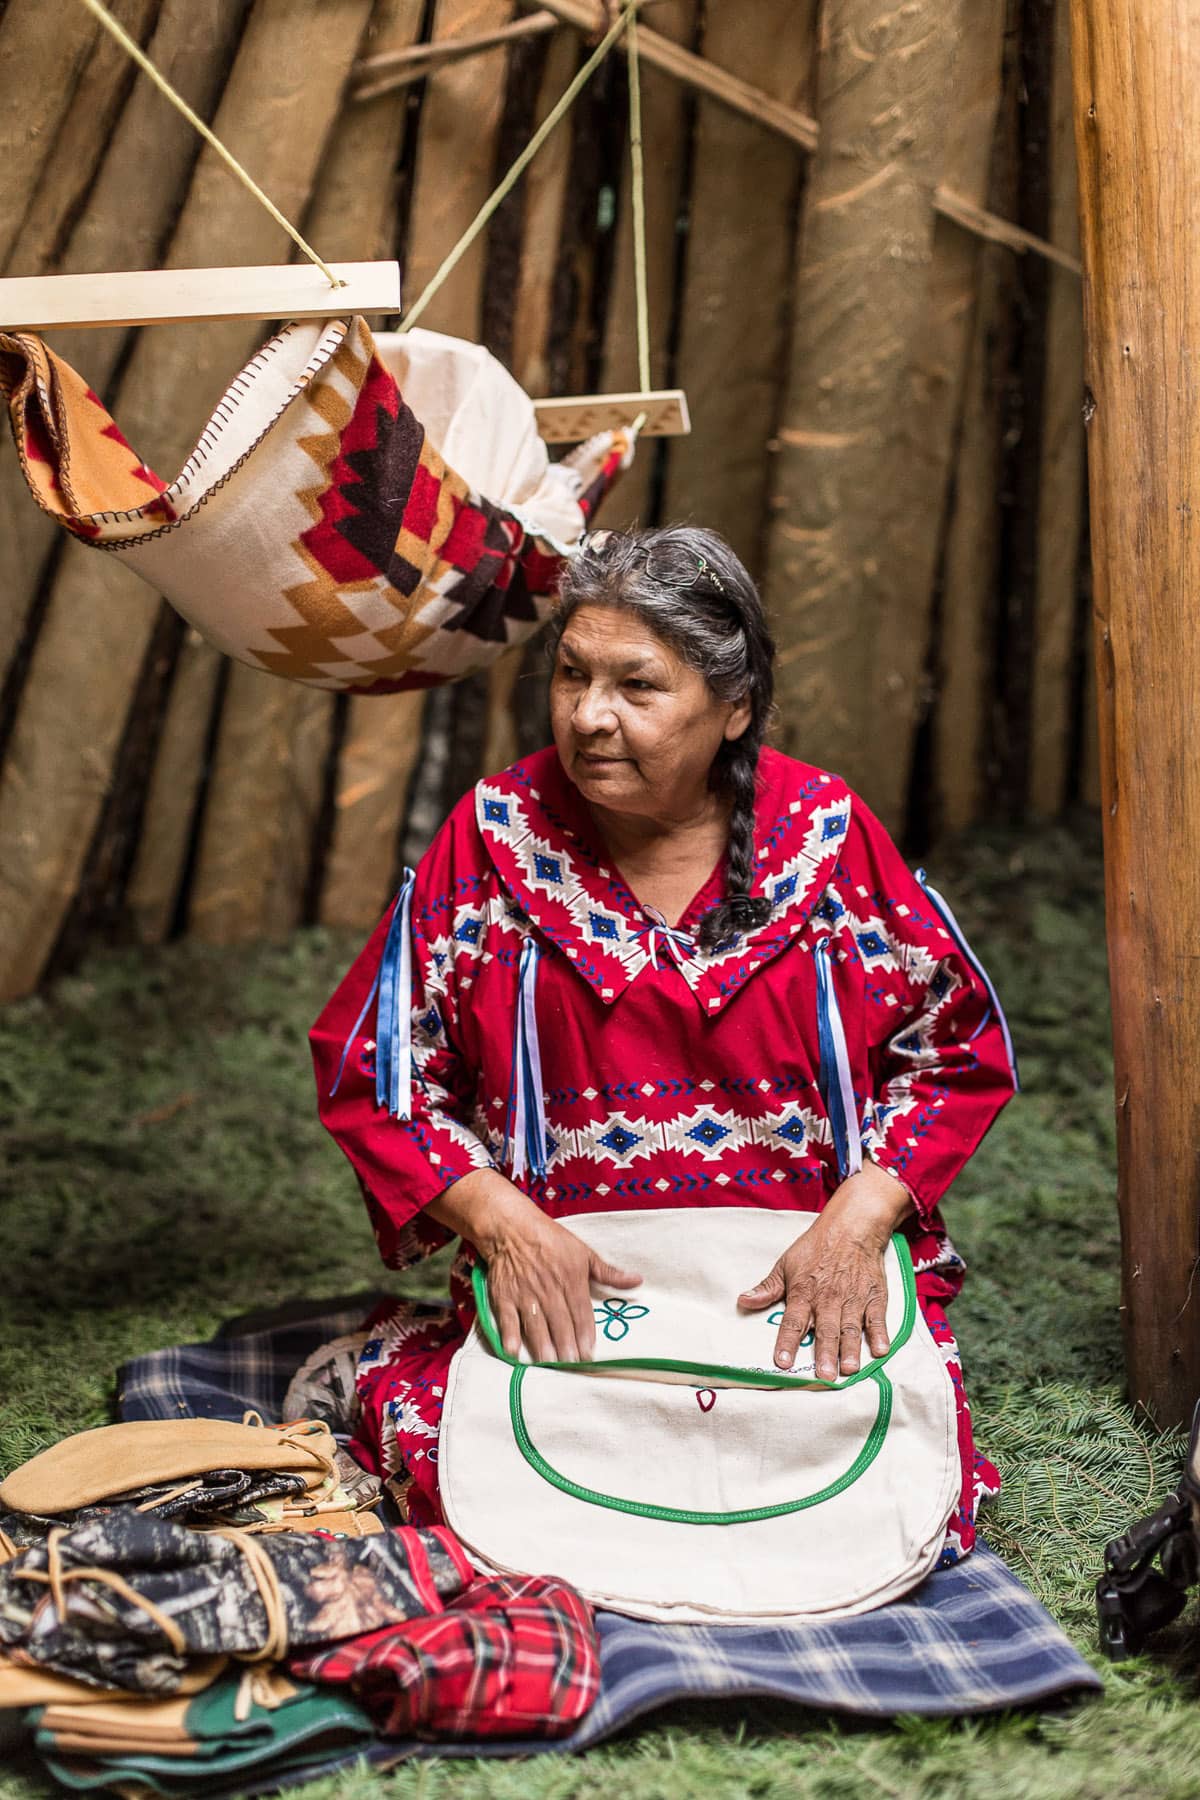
(318, 530)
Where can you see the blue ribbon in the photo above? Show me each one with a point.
(393, 1018)
(834, 1077)
(393, 1029)
(956, 932)
(525, 1142)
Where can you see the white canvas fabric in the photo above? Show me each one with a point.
(484, 424)
(681, 1476)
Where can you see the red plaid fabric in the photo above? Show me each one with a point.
(511, 1657)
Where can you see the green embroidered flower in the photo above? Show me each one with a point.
(615, 1316)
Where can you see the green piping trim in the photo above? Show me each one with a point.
(708, 1372)
(675, 1515)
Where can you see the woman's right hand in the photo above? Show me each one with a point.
(540, 1274)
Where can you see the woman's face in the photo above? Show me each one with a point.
(635, 727)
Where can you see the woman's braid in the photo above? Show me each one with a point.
(688, 586)
(739, 911)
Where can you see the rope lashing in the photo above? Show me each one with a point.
(500, 193)
(133, 49)
(637, 172)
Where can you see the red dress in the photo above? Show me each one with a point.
(545, 1000)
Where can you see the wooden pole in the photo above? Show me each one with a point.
(1137, 134)
(383, 745)
(664, 135)
(733, 337)
(1060, 499)
(864, 438)
(266, 785)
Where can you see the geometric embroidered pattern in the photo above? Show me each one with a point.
(612, 941)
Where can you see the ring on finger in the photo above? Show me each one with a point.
(533, 1310)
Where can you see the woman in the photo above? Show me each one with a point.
(658, 965)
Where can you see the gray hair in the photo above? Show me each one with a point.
(690, 589)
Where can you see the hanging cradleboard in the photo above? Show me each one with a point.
(361, 514)
(680, 1475)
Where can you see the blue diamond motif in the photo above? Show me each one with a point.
(830, 909)
(547, 868)
(496, 812)
(834, 827)
(784, 889)
(618, 1140)
(468, 932)
(792, 1129)
(602, 927)
(871, 944)
(708, 1132)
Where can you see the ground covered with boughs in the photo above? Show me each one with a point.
(162, 1169)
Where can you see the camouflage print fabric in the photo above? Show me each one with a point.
(218, 1497)
(123, 1579)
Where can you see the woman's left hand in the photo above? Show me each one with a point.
(832, 1279)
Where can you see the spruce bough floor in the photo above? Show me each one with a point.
(164, 1170)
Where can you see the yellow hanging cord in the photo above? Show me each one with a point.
(559, 111)
(637, 166)
(134, 49)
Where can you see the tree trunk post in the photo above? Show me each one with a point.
(1137, 130)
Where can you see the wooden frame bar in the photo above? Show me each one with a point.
(155, 296)
(995, 230)
(661, 53)
(376, 75)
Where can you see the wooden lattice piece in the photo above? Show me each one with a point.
(574, 417)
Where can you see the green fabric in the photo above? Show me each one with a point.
(316, 1721)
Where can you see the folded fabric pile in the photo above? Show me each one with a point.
(186, 1603)
(238, 1727)
(202, 1472)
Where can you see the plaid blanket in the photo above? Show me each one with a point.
(971, 1639)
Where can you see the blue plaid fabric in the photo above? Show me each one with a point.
(971, 1639)
(247, 1366)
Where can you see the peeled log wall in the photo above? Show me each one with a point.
(848, 350)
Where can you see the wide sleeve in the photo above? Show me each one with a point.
(940, 1056)
(403, 1164)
